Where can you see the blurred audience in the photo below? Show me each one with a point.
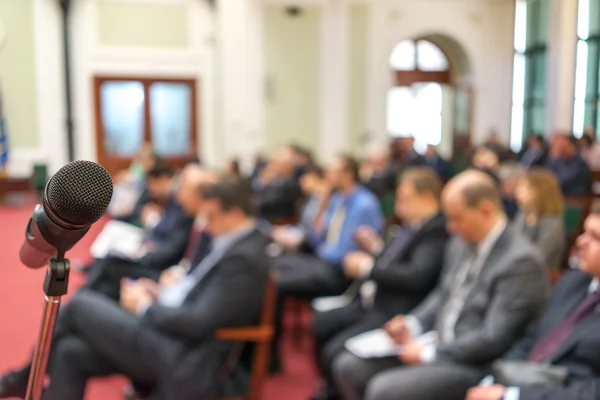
(394, 277)
(535, 152)
(438, 163)
(494, 285)
(376, 173)
(277, 189)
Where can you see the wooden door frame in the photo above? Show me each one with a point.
(112, 162)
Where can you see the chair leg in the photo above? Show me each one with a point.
(297, 323)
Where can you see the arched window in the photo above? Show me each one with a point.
(414, 105)
(529, 71)
(585, 110)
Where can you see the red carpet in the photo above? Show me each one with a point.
(23, 299)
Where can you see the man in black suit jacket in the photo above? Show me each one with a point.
(166, 335)
(396, 277)
(567, 334)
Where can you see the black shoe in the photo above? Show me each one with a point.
(13, 385)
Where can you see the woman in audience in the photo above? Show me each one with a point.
(540, 215)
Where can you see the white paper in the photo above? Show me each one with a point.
(124, 198)
(378, 344)
(323, 304)
(118, 238)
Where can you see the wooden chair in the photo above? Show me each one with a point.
(261, 335)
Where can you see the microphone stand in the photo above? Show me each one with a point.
(56, 284)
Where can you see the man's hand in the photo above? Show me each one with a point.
(411, 354)
(134, 296)
(354, 263)
(368, 239)
(171, 276)
(151, 215)
(398, 330)
(494, 392)
(286, 237)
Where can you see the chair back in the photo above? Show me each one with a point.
(261, 335)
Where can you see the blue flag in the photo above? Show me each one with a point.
(3, 138)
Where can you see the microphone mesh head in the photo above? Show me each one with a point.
(78, 194)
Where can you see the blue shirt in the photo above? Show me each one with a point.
(309, 213)
(362, 208)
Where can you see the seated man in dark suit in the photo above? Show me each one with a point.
(165, 244)
(567, 334)
(492, 287)
(396, 277)
(565, 161)
(277, 189)
(165, 336)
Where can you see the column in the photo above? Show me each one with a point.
(335, 74)
(239, 81)
(560, 83)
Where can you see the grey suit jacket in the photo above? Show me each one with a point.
(549, 236)
(509, 294)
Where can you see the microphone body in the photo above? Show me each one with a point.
(74, 198)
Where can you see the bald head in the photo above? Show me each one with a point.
(193, 179)
(472, 204)
(474, 187)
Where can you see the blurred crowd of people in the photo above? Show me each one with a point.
(452, 266)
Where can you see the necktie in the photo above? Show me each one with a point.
(395, 246)
(335, 226)
(193, 242)
(454, 304)
(549, 344)
(368, 289)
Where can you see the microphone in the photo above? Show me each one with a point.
(74, 198)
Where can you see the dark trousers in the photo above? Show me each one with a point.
(306, 277)
(333, 328)
(95, 337)
(106, 274)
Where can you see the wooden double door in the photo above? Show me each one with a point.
(132, 111)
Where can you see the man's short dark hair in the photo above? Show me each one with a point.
(315, 169)
(424, 179)
(351, 165)
(160, 169)
(232, 193)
